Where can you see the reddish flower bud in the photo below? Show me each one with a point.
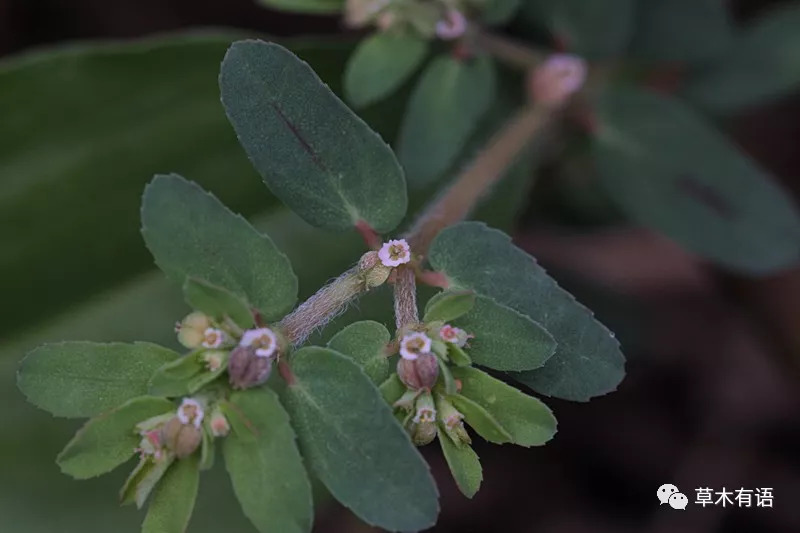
(248, 369)
(419, 373)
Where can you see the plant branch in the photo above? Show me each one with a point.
(463, 194)
(510, 52)
(405, 297)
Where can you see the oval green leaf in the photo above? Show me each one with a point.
(669, 169)
(380, 64)
(762, 64)
(192, 234)
(449, 305)
(464, 465)
(527, 420)
(446, 106)
(587, 362)
(323, 161)
(267, 472)
(83, 379)
(496, 12)
(365, 343)
(355, 445)
(505, 339)
(172, 502)
(480, 420)
(110, 439)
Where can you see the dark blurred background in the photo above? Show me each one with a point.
(711, 398)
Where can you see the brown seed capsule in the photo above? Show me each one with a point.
(247, 369)
(182, 439)
(419, 373)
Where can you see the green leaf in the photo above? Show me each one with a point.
(464, 465)
(217, 302)
(449, 305)
(587, 361)
(107, 441)
(681, 31)
(381, 64)
(761, 65)
(267, 472)
(446, 106)
(183, 376)
(505, 339)
(143, 479)
(446, 377)
(392, 389)
(354, 444)
(191, 233)
(595, 30)
(748, 223)
(458, 356)
(173, 499)
(208, 450)
(527, 420)
(305, 6)
(365, 343)
(83, 379)
(312, 151)
(498, 12)
(480, 420)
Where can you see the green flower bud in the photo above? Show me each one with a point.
(419, 373)
(192, 329)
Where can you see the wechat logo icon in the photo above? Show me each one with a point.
(670, 494)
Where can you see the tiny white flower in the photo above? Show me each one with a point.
(454, 335)
(558, 78)
(395, 253)
(263, 339)
(425, 414)
(213, 338)
(190, 412)
(452, 26)
(414, 344)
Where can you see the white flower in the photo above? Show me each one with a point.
(452, 26)
(454, 335)
(212, 338)
(414, 344)
(395, 253)
(190, 412)
(263, 339)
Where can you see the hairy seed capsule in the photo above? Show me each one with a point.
(419, 373)
(182, 439)
(373, 271)
(247, 369)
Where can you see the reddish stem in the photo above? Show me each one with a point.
(370, 236)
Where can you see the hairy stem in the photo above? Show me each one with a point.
(510, 52)
(325, 305)
(405, 297)
(463, 194)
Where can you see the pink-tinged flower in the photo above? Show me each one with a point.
(262, 339)
(425, 414)
(452, 26)
(190, 412)
(213, 338)
(395, 253)
(454, 335)
(413, 345)
(558, 78)
(219, 424)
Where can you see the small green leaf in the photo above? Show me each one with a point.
(110, 439)
(446, 106)
(143, 479)
(464, 465)
(527, 420)
(354, 444)
(192, 234)
(446, 376)
(449, 305)
(267, 472)
(458, 356)
(480, 419)
(83, 379)
(313, 153)
(380, 64)
(305, 6)
(217, 302)
(681, 31)
(365, 343)
(761, 65)
(595, 30)
(392, 389)
(183, 376)
(173, 499)
(496, 12)
(748, 223)
(505, 339)
(587, 361)
(207, 450)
